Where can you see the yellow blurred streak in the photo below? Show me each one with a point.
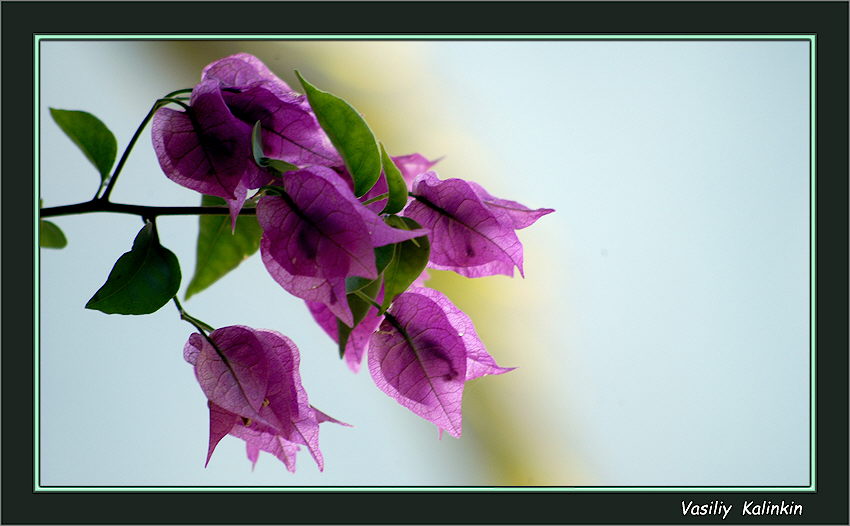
(508, 419)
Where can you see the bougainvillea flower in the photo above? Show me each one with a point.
(423, 354)
(318, 234)
(208, 147)
(251, 379)
(471, 232)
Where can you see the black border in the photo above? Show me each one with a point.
(20, 20)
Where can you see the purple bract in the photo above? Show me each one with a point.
(208, 147)
(471, 232)
(318, 234)
(250, 377)
(424, 353)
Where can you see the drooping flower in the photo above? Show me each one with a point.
(424, 353)
(471, 232)
(208, 147)
(251, 379)
(317, 234)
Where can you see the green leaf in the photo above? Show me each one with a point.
(383, 256)
(408, 262)
(142, 280)
(396, 185)
(50, 235)
(91, 136)
(355, 283)
(260, 157)
(359, 308)
(221, 249)
(349, 134)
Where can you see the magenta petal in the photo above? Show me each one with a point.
(478, 360)
(383, 234)
(242, 69)
(316, 231)
(182, 158)
(258, 438)
(259, 366)
(318, 234)
(322, 417)
(465, 235)
(287, 397)
(321, 290)
(193, 348)
(290, 130)
(235, 204)
(424, 367)
(520, 216)
(412, 166)
(238, 384)
(208, 151)
(221, 422)
(253, 93)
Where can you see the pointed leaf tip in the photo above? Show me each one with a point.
(142, 280)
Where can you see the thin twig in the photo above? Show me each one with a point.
(99, 205)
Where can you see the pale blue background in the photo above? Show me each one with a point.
(668, 313)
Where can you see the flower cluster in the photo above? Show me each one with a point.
(354, 247)
(251, 380)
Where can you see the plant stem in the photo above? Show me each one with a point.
(114, 177)
(164, 101)
(178, 92)
(100, 205)
(200, 325)
(118, 167)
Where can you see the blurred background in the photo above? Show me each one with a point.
(661, 334)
